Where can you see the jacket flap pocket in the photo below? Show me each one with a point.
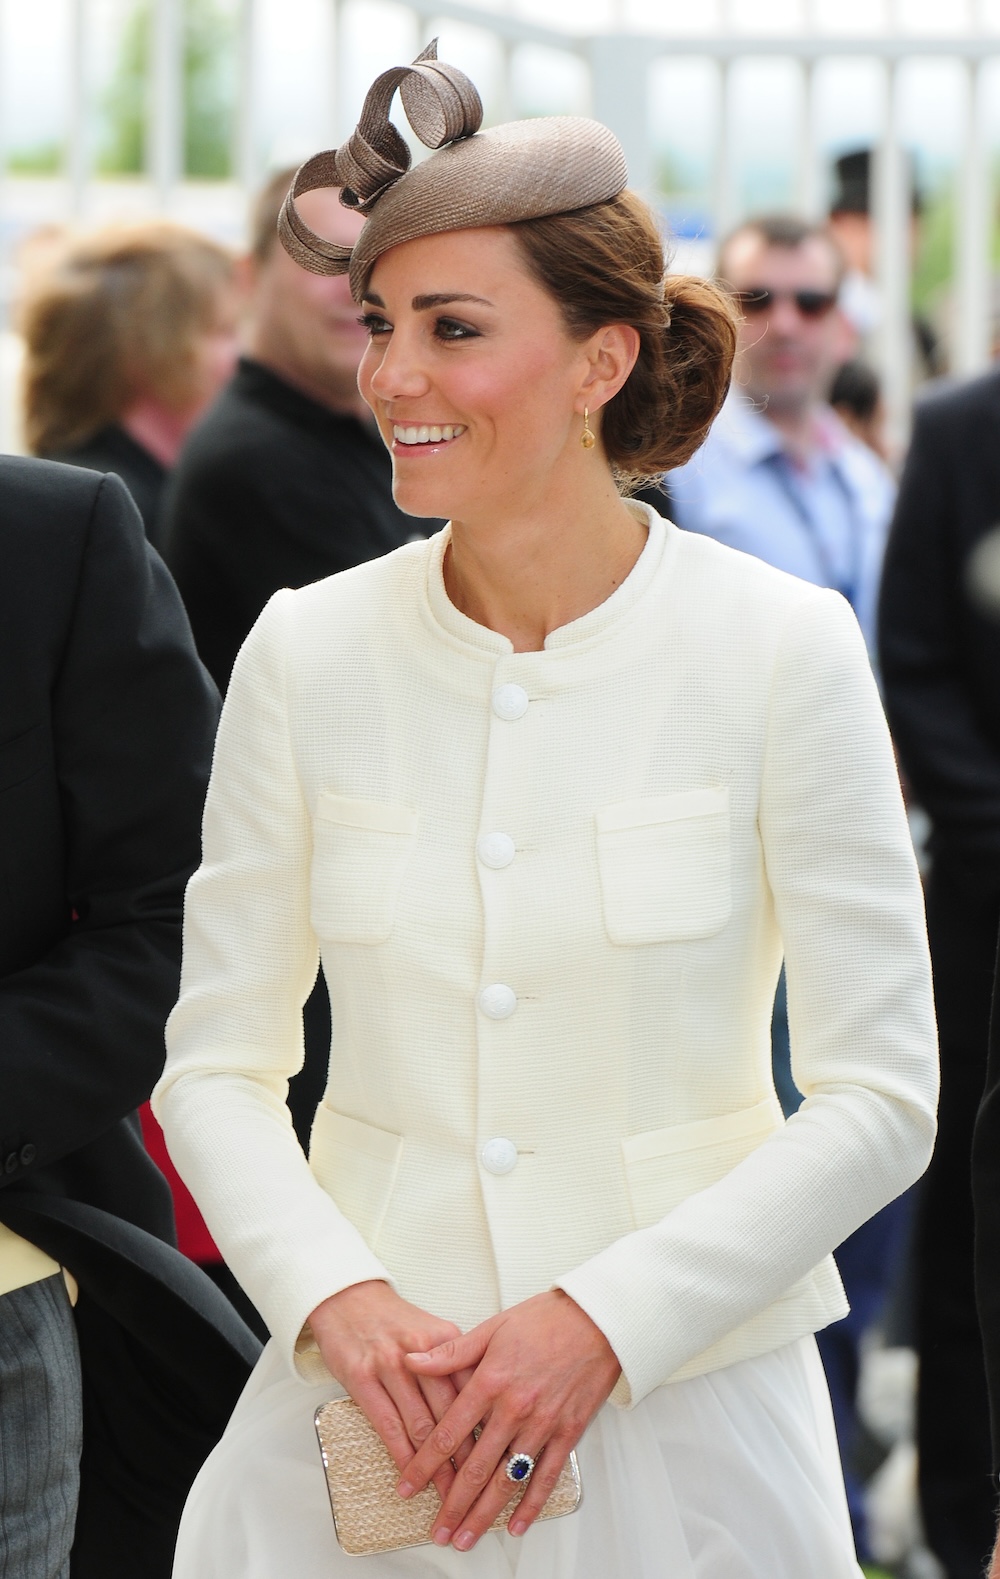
(339, 1130)
(760, 1119)
(664, 1166)
(665, 866)
(378, 815)
(662, 808)
(356, 1164)
(361, 852)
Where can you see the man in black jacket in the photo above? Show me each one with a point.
(285, 480)
(106, 728)
(940, 651)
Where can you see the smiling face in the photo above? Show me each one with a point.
(476, 385)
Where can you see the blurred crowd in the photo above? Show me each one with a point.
(221, 390)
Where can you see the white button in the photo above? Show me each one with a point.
(510, 701)
(499, 1155)
(498, 1001)
(496, 850)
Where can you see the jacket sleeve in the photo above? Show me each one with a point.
(235, 1037)
(952, 763)
(847, 898)
(133, 717)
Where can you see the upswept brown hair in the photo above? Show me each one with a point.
(118, 313)
(604, 265)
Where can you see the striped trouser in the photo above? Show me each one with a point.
(40, 1430)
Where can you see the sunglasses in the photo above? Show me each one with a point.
(760, 299)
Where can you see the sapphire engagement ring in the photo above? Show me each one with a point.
(519, 1467)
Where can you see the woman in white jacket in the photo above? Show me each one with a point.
(550, 796)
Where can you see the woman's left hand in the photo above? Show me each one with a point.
(540, 1372)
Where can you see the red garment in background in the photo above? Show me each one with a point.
(193, 1238)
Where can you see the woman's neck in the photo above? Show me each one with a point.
(525, 576)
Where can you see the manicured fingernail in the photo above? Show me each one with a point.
(518, 1527)
(418, 1354)
(404, 1489)
(464, 1541)
(442, 1537)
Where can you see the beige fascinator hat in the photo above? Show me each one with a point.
(521, 170)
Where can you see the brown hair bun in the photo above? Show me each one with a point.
(604, 264)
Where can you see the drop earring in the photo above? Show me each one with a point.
(586, 437)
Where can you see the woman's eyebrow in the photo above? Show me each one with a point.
(442, 298)
(439, 299)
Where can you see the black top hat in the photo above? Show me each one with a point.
(854, 180)
(852, 194)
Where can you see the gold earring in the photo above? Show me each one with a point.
(586, 437)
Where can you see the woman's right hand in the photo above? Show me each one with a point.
(363, 1334)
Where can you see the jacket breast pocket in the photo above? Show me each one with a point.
(356, 1164)
(665, 866)
(361, 850)
(664, 1166)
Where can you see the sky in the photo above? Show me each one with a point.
(295, 71)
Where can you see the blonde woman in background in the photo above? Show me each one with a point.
(130, 333)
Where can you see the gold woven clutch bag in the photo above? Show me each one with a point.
(368, 1515)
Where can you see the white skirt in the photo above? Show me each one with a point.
(733, 1475)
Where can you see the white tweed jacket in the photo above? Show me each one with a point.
(551, 892)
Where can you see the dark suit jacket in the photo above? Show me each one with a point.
(940, 652)
(272, 490)
(106, 728)
(939, 645)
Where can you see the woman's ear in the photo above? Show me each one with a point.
(612, 354)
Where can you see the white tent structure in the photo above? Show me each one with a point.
(618, 42)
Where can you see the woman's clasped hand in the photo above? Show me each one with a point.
(364, 1334)
(529, 1380)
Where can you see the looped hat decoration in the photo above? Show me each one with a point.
(521, 170)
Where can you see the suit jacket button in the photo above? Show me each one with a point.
(510, 701)
(11, 1162)
(499, 1155)
(496, 850)
(499, 1001)
(28, 1155)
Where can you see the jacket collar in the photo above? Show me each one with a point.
(597, 623)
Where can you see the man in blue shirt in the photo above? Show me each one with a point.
(779, 476)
